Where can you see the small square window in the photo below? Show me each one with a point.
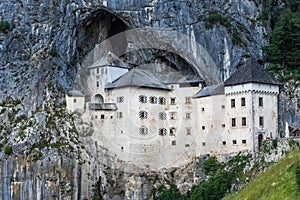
(120, 99)
(244, 122)
(223, 125)
(233, 122)
(74, 100)
(223, 106)
(203, 143)
(174, 142)
(224, 143)
(119, 115)
(188, 100)
(233, 141)
(172, 131)
(203, 127)
(188, 115)
(232, 103)
(102, 116)
(243, 101)
(202, 109)
(173, 100)
(244, 141)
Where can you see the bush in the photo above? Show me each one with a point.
(4, 25)
(211, 165)
(8, 149)
(53, 52)
(297, 172)
(166, 194)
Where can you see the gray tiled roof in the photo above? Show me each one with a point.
(75, 93)
(251, 72)
(138, 78)
(210, 91)
(104, 61)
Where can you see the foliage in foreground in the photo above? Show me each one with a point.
(277, 182)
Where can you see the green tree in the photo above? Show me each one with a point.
(168, 194)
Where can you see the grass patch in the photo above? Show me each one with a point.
(277, 182)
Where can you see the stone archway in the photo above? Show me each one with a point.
(99, 98)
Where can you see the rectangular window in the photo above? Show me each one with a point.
(188, 131)
(244, 141)
(223, 125)
(172, 115)
(174, 142)
(203, 143)
(233, 141)
(162, 100)
(203, 127)
(224, 143)
(102, 116)
(188, 100)
(173, 100)
(243, 101)
(232, 103)
(188, 115)
(142, 99)
(233, 122)
(74, 100)
(97, 84)
(223, 106)
(261, 121)
(244, 123)
(119, 115)
(202, 109)
(187, 145)
(260, 101)
(153, 100)
(97, 70)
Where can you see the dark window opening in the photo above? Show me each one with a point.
(233, 122)
(261, 121)
(233, 141)
(260, 101)
(102, 116)
(232, 103)
(142, 99)
(244, 122)
(153, 100)
(162, 100)
(162, 131)
(224, 142)
(173, 100)
(243, 102)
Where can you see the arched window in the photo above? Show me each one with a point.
(153, 100)
(162, 116)
(143, 130)
(142, 99)
(162, 100)
(143, 115)
(98, 98)
(162, 131)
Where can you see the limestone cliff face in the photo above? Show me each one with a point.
(40, 52)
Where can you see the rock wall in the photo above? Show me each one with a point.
(44, 46)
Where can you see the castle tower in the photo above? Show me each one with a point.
(252, 105)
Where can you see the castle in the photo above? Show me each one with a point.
(159, 119)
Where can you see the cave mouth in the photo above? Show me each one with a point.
(100, 26)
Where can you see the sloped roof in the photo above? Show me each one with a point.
(109, 60)
(210, 91)
(251, 72)
(75, 93)
(138, 78)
